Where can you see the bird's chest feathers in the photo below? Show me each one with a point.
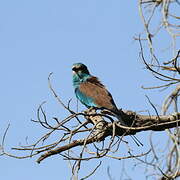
(79, 78)
(84, 98)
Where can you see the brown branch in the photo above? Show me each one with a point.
(65, 148)
(139, 122)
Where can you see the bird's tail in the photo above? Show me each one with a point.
(134, 138)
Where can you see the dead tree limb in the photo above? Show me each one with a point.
(138, 123)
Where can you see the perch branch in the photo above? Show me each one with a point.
(140, 123)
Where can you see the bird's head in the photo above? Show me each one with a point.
(79, 68)
(80, 73)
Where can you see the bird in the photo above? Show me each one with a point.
(91, 92)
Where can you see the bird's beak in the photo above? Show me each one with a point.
(74, 70)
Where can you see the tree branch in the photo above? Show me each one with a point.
(137, 123)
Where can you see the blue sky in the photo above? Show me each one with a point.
(39, 37)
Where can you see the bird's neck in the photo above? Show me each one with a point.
(79, 78)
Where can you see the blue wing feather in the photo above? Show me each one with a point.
(87, 101)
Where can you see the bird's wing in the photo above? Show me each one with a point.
(94, 89)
